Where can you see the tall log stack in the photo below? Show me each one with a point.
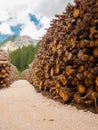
(13, 74)
(67, 63)
(5, 70)
(25, 75)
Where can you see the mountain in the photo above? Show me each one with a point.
(14, 42)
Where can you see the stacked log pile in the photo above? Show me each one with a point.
(67, 63)
(25, 74)
(13, 74)
(5, 70)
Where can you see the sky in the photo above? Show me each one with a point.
(28, 17)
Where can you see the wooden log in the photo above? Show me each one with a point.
(68, 70)
(76, 13)
(96, 81)
(92, 43)
(57, 83)
(57, 69)
(52, 72)
(4, 63)
(63, 79)
(54, 91)
(95, 52)
(81, 88)
(63, 94)
(77, 98)
(88, 102)
(3, 71)
(81, 68)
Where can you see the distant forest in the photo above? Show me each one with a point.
(23, 56)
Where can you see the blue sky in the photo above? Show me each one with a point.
(35, 21)
(16, 29)
(28, 17)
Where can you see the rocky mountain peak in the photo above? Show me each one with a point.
(14, 42)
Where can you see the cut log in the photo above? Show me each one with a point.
(76, 13)
(81, 88)
(63, 94)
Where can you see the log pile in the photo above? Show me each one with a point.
(25, 75)
(13, 74)
(5, 70)
(67, 62)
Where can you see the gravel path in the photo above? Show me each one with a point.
(21, 108)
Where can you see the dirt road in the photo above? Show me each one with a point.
(21, 108)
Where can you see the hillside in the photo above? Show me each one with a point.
(14, 42)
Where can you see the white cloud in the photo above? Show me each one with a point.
(5, 29)
(30, 29)
(14, 12)
(49, 8)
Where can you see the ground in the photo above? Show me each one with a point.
(22, 108)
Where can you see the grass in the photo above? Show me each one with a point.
(19, 74)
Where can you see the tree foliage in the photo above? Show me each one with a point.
(23, 56)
